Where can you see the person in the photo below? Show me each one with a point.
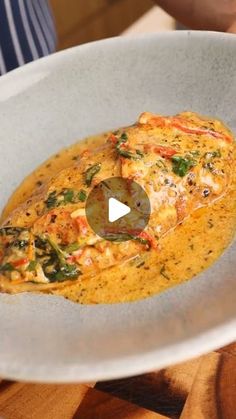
(27, 32)
(27, 29)
(215, 15)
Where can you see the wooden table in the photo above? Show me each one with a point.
(203, 388)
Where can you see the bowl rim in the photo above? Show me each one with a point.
(125, 366)
(49, 59)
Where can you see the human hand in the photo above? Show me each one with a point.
(218, 15)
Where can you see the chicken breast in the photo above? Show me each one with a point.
(183, 162)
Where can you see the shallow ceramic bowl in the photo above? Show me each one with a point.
(47, 105)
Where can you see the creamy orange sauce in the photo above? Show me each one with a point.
(189, 249)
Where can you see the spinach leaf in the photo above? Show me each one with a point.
(71, 247)
(64, 197)
(32, 266)
(91, 172)
(81, 196)
(68, 196)
(163, 272)
(63, 273)
(126, 153)
(56, 268)
(181, 165)
(51, 201)
(7, 267)
(212, 154)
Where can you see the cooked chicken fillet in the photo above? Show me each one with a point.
(183, 162)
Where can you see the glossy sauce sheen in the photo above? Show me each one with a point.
(185, 251)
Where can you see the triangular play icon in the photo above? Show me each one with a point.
(116, 210)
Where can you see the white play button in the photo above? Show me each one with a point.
(116, 210)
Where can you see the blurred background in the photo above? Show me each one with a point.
(79, 21)
(27, 30)
(31, 29)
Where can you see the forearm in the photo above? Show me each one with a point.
(216, 15)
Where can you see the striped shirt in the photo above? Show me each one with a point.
(27, 32)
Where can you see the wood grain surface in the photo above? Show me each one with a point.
(202, 388)
(79, 21)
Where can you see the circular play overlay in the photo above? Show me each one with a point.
(117, 209)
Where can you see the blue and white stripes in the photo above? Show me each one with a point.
(27, 32)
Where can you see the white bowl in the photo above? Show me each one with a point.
(47, 105)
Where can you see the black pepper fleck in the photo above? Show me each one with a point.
(206, 193)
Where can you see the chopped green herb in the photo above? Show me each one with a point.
(142, 240)
(64, 197)
(137, 261)
(119, 237)
(65, 272)
(51, 201)
(163, 272)
(195, 153)
(7, 267)
(212, 154)
(82, 195)
(91, 172)
(161, 164)
(53, 261)
(126, 153)
(124, 136)
(139, 153)
(129, 155)
(32, 266)
(71, 248)
(68, 196)
(140, 264)
(60, 254)
(181, 165)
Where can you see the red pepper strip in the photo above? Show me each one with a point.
(162, 122)
(159, 121)
(112, 139)
(201, 131)
(167, 152)
(147, 236)
(82, 224)
(20, 262)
